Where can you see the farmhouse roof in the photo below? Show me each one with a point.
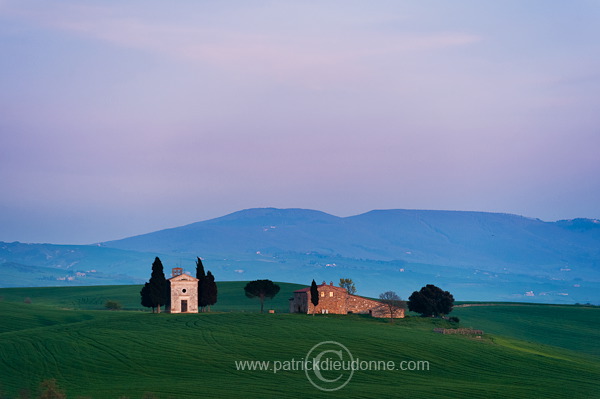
(322, 285)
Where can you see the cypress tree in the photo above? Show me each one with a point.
(208, 292)
(199, 268)
(202, 294)
(159, 287)
(314, 296)
(200, 275)
(211, 288)
(145, 294)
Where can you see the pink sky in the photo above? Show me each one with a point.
(121, 118)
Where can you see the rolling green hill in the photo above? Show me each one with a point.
(568, 327)
(231, 297)
(106, 354)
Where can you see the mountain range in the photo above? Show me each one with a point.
(474, 255)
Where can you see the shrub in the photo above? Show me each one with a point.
(454, 319)
(50, 390)
(112, 305)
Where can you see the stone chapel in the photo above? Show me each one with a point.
(184, 292)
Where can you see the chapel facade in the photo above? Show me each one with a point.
(184, 292)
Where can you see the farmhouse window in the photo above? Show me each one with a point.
(331, 294)
(322, 294)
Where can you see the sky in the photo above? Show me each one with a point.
(124, 117)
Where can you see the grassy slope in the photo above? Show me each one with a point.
(231, 296)
(106, 354)
(571, 327)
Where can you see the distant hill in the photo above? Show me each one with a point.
(480, 256)
(461, 239)
(18, 275)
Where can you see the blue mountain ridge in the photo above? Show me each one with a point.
(476, 255)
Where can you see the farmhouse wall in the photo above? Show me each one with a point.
(384, 311)
(357, 304)
(332, 299)
(336, 300)
(299, 303)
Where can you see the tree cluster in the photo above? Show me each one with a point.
(428, 301)
(157, 291)
(207, 288)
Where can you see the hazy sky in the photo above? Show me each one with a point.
(124, 117)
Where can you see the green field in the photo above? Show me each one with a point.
(571, 327)
(528, 351)
(231, 297)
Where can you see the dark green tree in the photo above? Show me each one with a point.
(314, 296)
(261, 289)
(145, 294)
(200, 275)
(208, 292)
(159, 287)
(431, 301)
(348, 284)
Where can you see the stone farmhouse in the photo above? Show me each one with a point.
(184, 292)
(336, 300)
